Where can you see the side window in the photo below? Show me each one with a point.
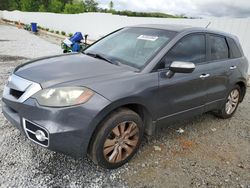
(191, 48)
(234, 49)
(219, 48)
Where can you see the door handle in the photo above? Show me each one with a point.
(204, 75)
(233, 67)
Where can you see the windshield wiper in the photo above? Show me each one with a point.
(100, 56)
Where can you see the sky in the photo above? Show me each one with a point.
(190, 8)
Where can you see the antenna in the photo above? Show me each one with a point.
(208, 25)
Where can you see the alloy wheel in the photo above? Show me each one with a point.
(232, 101)
(121, 142)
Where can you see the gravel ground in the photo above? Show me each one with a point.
(209, 153)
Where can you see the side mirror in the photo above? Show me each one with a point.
(182, 67)
(179, 67)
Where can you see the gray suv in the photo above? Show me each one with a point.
(102, 101)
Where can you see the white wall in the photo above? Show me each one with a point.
(100, 24)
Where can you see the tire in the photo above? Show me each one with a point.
(224, 113)
(117, 139)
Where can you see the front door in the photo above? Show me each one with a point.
(184, 94)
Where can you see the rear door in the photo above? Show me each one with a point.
(218, 69)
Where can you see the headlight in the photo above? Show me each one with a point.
(63, 96)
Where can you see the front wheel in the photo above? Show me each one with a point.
(231, 104)
(118, 139)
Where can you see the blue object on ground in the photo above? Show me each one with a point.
(77, 37)
(76, 47)
(34, 27)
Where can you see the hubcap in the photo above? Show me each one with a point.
(232, 101)
(121, 142)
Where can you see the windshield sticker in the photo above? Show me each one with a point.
(147, 37)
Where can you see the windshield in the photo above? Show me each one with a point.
(132, 46)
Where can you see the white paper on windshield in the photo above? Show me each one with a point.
(147, 37)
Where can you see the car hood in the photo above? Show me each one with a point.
(49, 71)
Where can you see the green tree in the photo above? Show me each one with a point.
(4, 5)
(70, 1)
(42, 8)
(55, 6)
(13, 4)
(90, 5)
(29, 5)
(46, 4)
(111, 5)
(73, 8)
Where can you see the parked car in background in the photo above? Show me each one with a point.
(103, 101)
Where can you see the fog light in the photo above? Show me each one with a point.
(40, 135)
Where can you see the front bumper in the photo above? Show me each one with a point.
(69, 128)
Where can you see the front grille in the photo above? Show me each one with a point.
(30, 129)
(19, 89)
(15, 93)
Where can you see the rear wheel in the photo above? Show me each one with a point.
(118, 139)
(231, 104)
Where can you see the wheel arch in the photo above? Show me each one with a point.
(243, 88)
(135, 106)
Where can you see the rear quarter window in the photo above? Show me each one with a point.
(219, 48)
(234, 49)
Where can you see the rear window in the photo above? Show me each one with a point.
(234, 49)
(219, 48)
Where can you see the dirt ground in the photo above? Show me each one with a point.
(211, 152)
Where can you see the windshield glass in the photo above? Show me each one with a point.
(132, 46)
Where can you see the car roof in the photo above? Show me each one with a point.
(183, 28)
(169, 27)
